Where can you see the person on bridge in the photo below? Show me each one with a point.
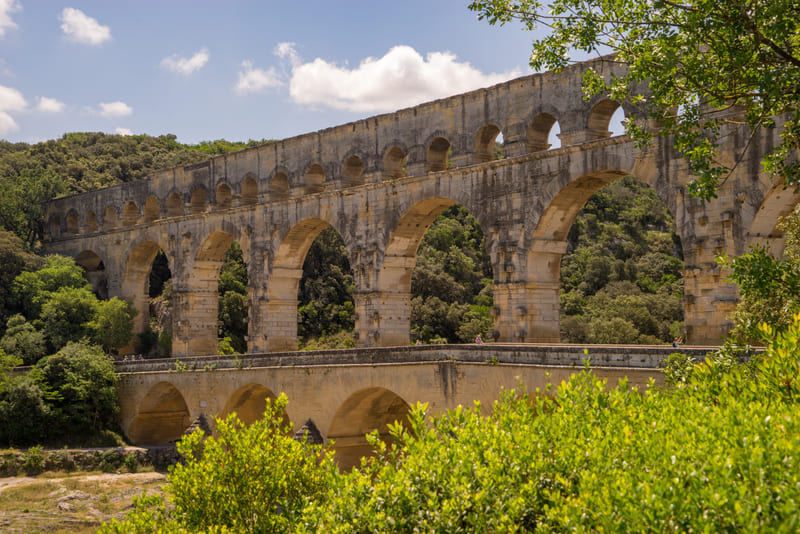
(478, 340)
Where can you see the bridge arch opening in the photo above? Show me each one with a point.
(110, 218)
(130, 213)
(146, 282)
(436, 156)
(486, 146)
(621, 276)
(543, 133)
(353, 172)
(394, 163)
(71, 225)
(162, 417)
(249, 191)
(599, 120)
(199, 201)
(91, 222)
(279, 188)
(224, 197)
(174, 205)
(362, 412)
(764, 229)
(151, 210)
(232, 314)
(95, 272)
(249, 403)
(314, 179)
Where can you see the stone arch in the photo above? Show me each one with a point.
(599, 118)
(314, 179)
(136, 278)
(71, 225)
(394, 162)
(279, 188)
(539, 132)
(224, 197)
(95, 272)
(91, 222)
(249, 402)
(778, 202)
(364, 411)
(485, 143)
(110, 218)
(353, 171)
(174, 205)
(436, 155)
(198, 201)
(130, 213)
(162, 416)
(284, 281)
(151, 210)
(249, 191)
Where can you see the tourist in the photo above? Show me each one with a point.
(677, 342)
(478, 340)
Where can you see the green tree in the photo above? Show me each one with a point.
(25, 413)
(698, 58)
(31, 289)
(23, 340)
(232, 305)
(246, 479)
(14, 260)
(112, 324)
(67, 316)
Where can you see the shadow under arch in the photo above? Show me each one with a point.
(162, 416)
(136, 279)
(779, 201)
(95, 272)
(249, 403)
(362, 412)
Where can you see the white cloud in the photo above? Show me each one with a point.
(287, 51)
(10, 100)
(253, 80)
(186, 66)
(50, 105)
(124, 131)
(7, 123)
(7, 7)
(115, 109)
(81, 28)
(401, 78)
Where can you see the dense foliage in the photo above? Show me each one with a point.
(246, 479)
(698, 58)
(620, 277)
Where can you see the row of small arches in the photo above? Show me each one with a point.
(540, 136)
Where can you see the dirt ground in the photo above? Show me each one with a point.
(74, 502)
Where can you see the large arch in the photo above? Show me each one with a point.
(364, 411)
(136, 278)
(249, 403)
(162, 416)
(778, 202)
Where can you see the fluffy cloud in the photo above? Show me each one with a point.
(50, 105)
(186, 66)
(7, 7)
(10, 100)
(124, 131)
(115, 109)
(253, 80)
(81, 28)
(401, 78)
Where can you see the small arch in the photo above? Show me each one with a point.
(353, 171)
(91, 222)
(130, 213)
(394, 163)
(152, 210)
(599, 119)
(539, 132)
(362, 412)
(71, 223)
(249, 403)
(95, 272)
(174, 205)
(199, 201)
(54, 226)
(485, 143)
(224, 197)
(249, 192)
(314, 179)
(110, 218)
(162, 416)
(436, 155)
(279, 186)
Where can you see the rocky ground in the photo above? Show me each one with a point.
(74, 502)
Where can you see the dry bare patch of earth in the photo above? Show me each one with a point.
(74, 502)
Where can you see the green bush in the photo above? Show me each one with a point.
(33, 462)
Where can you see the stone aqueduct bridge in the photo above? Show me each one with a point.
(380, 182)
(346, 394)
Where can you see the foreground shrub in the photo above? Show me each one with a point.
(248, 479)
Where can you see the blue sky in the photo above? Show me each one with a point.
(237, 69)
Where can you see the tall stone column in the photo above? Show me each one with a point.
(195, 310)
(278, 313)
(383, 310)
(709, 302)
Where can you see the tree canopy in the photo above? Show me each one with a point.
(701, 59)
